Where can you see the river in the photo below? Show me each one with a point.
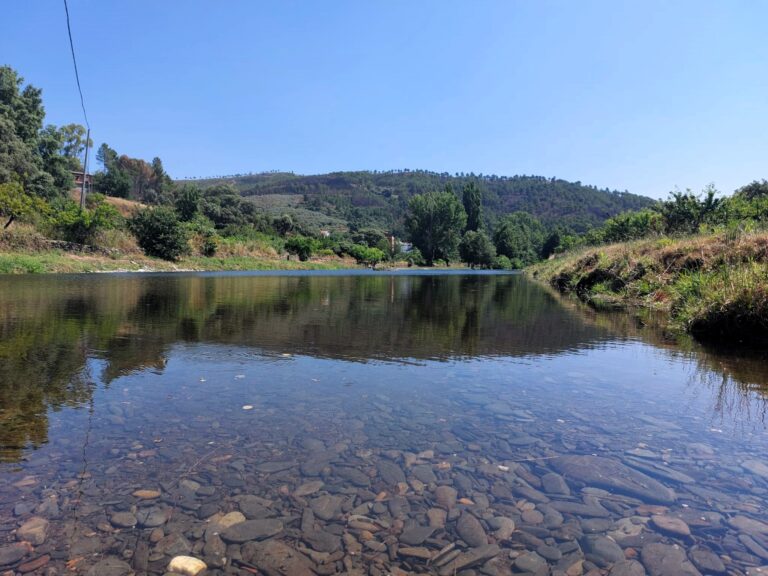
(368, 423)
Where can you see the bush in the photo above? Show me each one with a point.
(159, 233)
(502, 263)
(82, 226)
(302, 246)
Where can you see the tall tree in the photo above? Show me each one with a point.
(520, 237)
(21, 121)
(435, 222)
(472, 199)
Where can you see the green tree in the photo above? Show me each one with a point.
(685, 212)
(159, 233)
(73, 143)
(21, 121)
(520, 237)
(472, 199)
(476, 249)
(753, 190)
(187, 202)
(283, 225)
(435, 222)
(15, 204)
(302, 246)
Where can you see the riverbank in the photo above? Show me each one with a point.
(714, 286)
(58, 261)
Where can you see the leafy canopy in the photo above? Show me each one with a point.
(435, 222)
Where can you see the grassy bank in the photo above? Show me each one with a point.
(56, 261)
(714, 286)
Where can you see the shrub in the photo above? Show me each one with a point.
(159, 233)
(81, 226)
(302, 246)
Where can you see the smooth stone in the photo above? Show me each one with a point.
(424, 473)
(33, 565)
(437, 517)
(416, 535)
(110, 567)
(390, 472)
(253, 507)
(671, 524)
(33, 530)
(530, 562)
(503, 527)
(215, 550)
(173, 545)
(252, 530)
(469, 559)
(613, 475)
(667, 560)
(415, 552)
(308, 488)
(147, 494)
(603, 547)
(272, 467)
(445, 496)
(186, 565)
(275, 557)
(151, 517)
(744, 524)
(551, 553)
(532, 517)
(322, 541)
(627, 568)
(706, 561)
(352, 475)
(123, 520)
(555, 484)
(756, 467)
(231, 519)
(13, 553)
(326, 507)
(471, 531)
(596, 525)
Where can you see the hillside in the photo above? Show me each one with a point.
(380, 199)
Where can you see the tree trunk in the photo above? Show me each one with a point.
(10, 221)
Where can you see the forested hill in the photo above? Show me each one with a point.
(380, 199)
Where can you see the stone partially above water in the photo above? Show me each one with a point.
(613, 475)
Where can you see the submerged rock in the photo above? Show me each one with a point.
(667, 560)
(613, 475)
(252, 530)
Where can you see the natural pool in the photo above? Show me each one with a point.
(367, 423)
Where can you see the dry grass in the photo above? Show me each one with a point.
(713, 285)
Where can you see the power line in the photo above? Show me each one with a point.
(77, 76)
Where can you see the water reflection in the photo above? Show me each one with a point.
(51, 327)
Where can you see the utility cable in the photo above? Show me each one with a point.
(74, 61)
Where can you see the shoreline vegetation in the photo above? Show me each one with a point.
(713, 286)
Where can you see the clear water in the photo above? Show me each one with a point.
(195, 385)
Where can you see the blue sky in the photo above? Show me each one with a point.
(643, 95)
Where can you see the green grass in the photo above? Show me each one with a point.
(61, 262)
